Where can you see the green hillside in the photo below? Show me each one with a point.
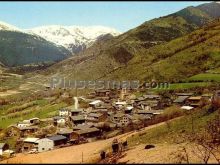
(150, 51)
(18, 48)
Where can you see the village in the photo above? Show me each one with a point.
(109, 113)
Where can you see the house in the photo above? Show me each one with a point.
(63, 112)
(120, 104)
(34, 121)
(151, 97)
(76, 112)
(96, 103)
(68, 133)
(194, 101)
(29, 144)
(207, 96)
(187, 107)
(100, 110)
(29, 122)
(45, 144)
(138, 117)
(124, 121)
(14, 130)
(3, 147)
(103, 98)
(96, 117)
(26, 131)
(115, 118)
(77, 119)
(128, 109)
(102, 92)
(149, 104)
(87, 133)
(181, 100)
(59, 121)
(121, 119)
(23, 124)
(58, 140)
(82, 127)
(8, 153)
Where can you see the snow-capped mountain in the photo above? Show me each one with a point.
(74, 38)
(6, 26)
(21, 48)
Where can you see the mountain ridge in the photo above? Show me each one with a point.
(74, 38)
(124, 56)
(21, 47)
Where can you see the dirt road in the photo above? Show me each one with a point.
(86, 153)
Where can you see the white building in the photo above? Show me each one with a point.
(120, 104)
(63, 112)
(60, 121)
(23, 124)
(96, 103)
(45, 144)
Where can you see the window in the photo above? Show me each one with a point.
(43, 149)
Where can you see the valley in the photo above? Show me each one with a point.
(45, 123)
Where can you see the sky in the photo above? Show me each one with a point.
(119, 15)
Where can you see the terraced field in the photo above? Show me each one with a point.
(206, 77)
(39, 108)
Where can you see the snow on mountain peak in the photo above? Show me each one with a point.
(74, 38)
(6, 26)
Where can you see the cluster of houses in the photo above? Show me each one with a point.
(107, 111)
(188, 101)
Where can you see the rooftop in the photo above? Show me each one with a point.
(64, 131)
(94, 114)
(28, 128)
(207, 95)
(91, 119)
(57, 137)
(31, 140)
(76, 110)
(151, 96)
(102, 90)
(187, 107)
(58, 117)
(82, 127)
(35, 118)
(195, 98)
(79, 117)
(118, 115)
(120, 103)
(180, 99)
(129, 108)
(95, 102)
(87, 130)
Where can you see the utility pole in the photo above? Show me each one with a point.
(82, 157)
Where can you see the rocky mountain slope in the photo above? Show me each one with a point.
(73, 38)
(19, 48)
